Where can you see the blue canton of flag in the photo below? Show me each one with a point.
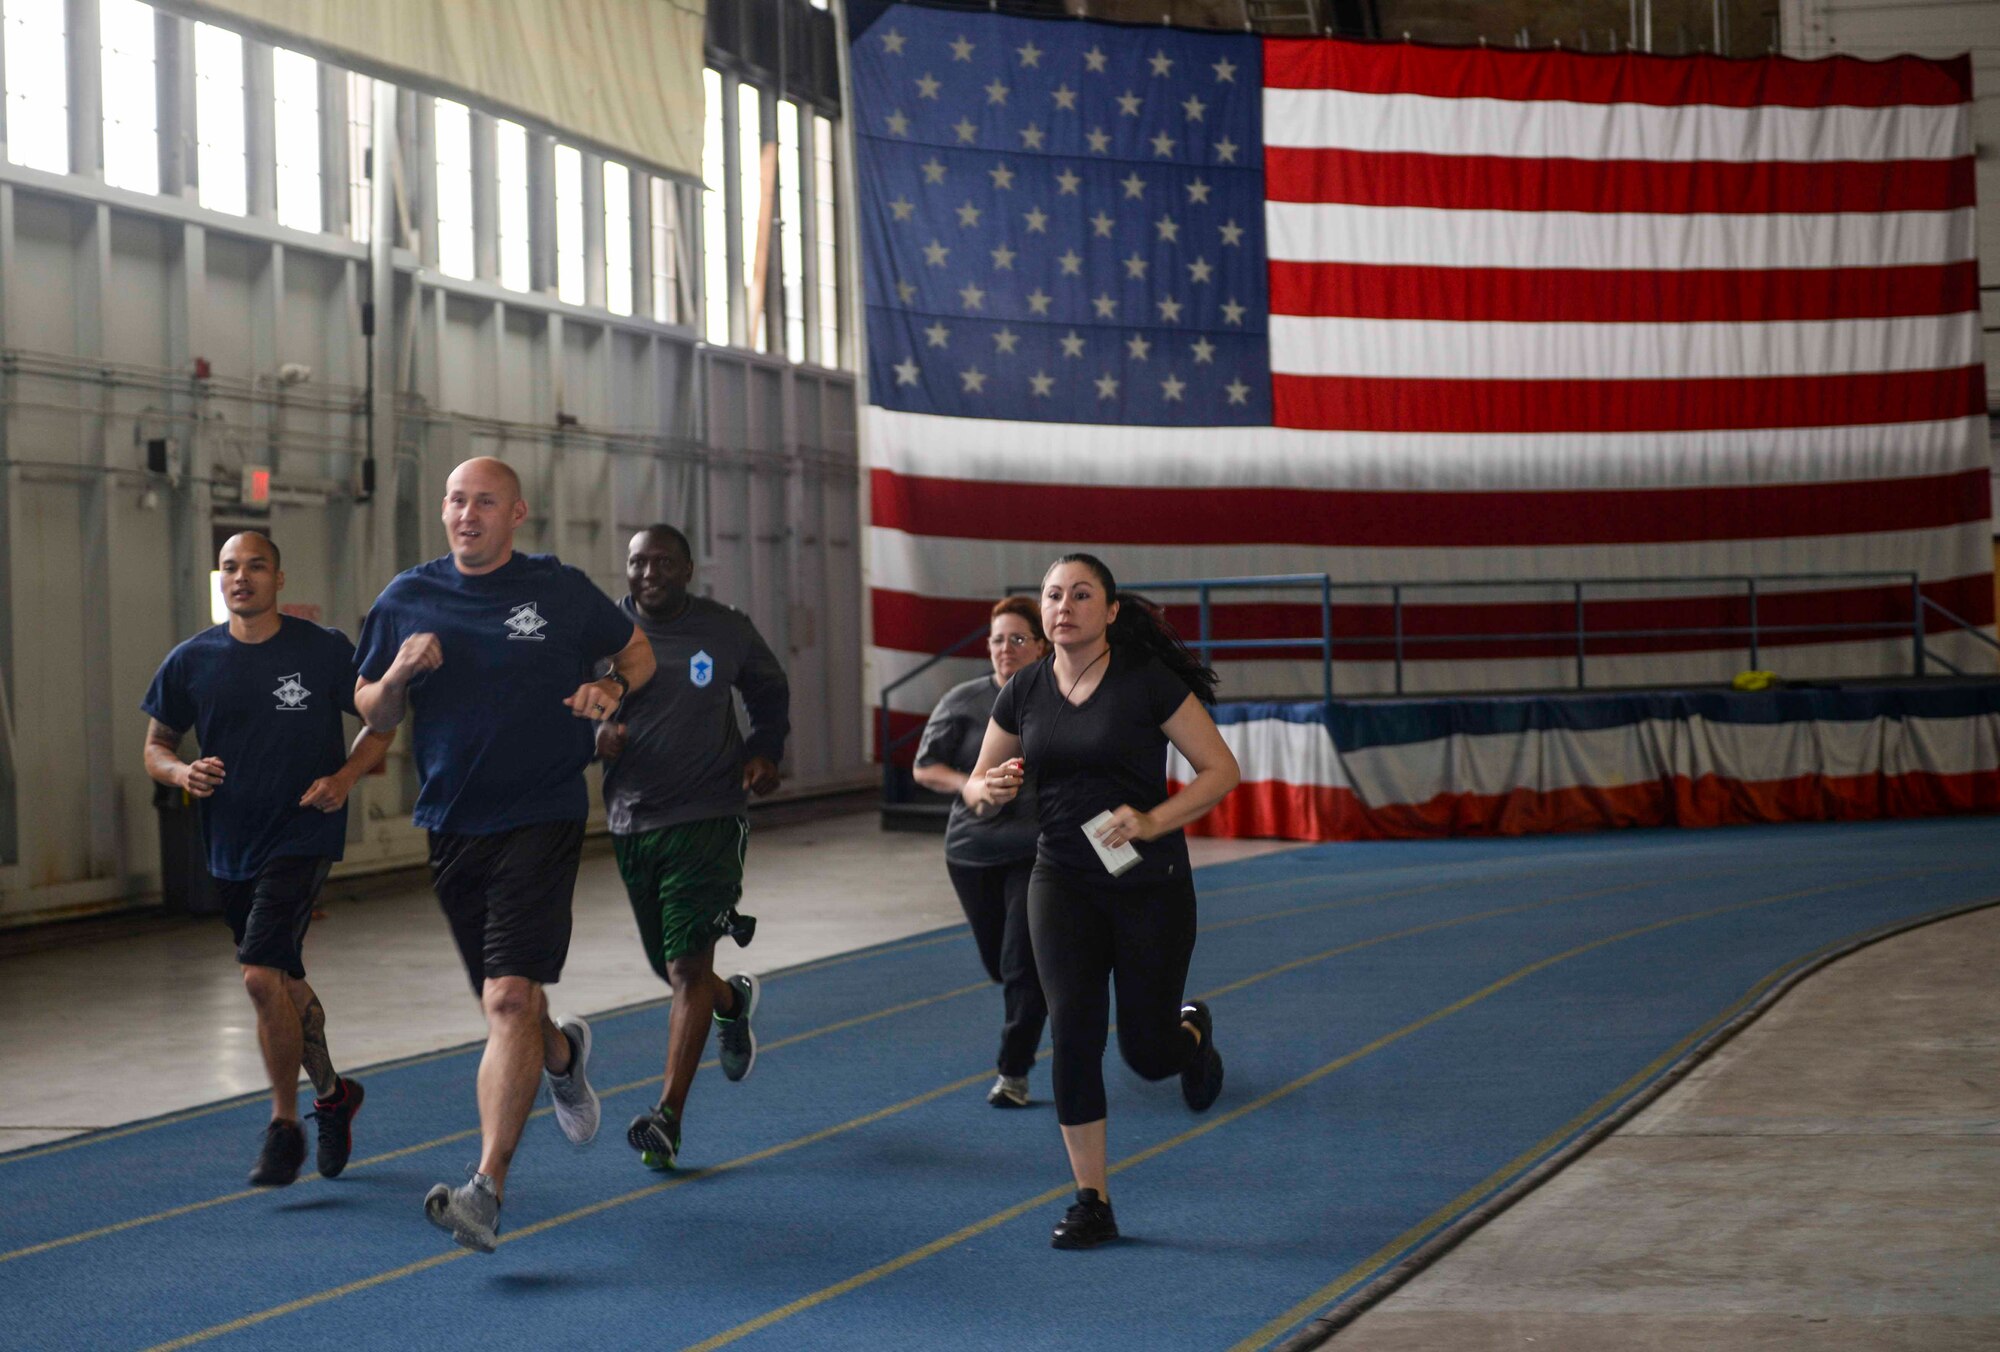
(1062, 221)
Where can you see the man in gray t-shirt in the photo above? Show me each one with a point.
(676, 781)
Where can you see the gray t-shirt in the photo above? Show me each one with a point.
(683, 757)
(952, 737)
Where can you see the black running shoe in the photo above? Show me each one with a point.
(336, 1127)
(284, 1151)
(656, 1135)
(1201, 1077)
(1086, 1224)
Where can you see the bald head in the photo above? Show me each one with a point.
(658, 567)
(482, 509)
(255, 541)
(484, 470)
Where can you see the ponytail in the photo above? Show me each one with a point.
(1142, 627)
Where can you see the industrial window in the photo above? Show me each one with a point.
(360, 137)
(570, 286)
(666, 245)
(791, 232)
(617, 238)
(826, 229)
(714, 215)
(452, 137)
(131, 107)
(295, 77)
(218, 119)
(511, 223)
(750, 166)
(37, 78)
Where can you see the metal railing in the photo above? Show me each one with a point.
(1575, 638)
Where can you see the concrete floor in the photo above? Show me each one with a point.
(123, 1027)
(1830, 1180)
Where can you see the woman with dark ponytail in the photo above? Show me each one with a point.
(1092, 724)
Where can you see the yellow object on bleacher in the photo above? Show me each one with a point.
(1755, 680)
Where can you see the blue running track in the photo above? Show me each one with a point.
(1410, 1031)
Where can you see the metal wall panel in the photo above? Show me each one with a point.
(107, 298)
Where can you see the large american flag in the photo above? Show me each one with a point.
(1214, 305)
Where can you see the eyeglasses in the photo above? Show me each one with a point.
(1008, 640)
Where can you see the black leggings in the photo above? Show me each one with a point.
(1141, 940)
(996, 903)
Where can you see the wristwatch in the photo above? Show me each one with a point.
(624, 686)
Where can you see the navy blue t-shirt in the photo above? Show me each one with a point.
(496, 747)
(270, 712)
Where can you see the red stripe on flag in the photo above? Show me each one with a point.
(1401, 404)
(1495, 183)
(1119, 514)
(1578, 77)
(926, 624)
(1273, 808)
(1533, 296)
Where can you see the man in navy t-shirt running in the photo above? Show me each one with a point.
(494, 652)
(264, 694)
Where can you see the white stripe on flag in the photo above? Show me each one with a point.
(1437, 349)
(1319, 232)
(1549, 129)
(934, 446)
(986, 568)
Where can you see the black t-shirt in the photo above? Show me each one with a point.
(1089, 758)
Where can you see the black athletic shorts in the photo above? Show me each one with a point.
(269, 913)
(507, 897)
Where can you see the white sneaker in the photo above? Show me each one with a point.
(1009, 1091)
(577, 1108)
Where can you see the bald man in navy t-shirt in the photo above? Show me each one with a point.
(496, 653)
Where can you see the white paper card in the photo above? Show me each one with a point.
(1116, 858)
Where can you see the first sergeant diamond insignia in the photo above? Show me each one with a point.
(291, 695)
(526, 622)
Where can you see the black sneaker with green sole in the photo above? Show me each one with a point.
(656, 1135)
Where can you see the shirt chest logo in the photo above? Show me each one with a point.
(291, 695)
(701, 669)
(526, 622)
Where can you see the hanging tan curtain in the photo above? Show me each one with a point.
(625, 74)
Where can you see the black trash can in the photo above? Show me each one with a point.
(186, 886)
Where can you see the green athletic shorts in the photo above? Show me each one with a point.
(684, 882)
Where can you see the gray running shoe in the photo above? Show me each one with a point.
(1009, 1091)
(737, 1044)
(470, 1212)
(577, 1108)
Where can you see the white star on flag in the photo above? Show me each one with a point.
(1171, 387)
(892, 42)
(968, 214)
(1002, 176)
(1204, 351)
(1162, 63)
(1031, 55)
(927, 86)
(1072, 344)
(935, 254)
(1094, 59)
(1043, 383)
(1138, 347)
(1005, 340)
(1003, 259)
(898, 124)
(906, 371)
(1107, 386)
(961, 50)
(975, 380)
(937, 334)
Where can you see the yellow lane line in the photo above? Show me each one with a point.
(999, 1218)
(472, 1133)
(336, 1293)
(1339, 1286)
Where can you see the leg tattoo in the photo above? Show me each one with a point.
(318, 1062)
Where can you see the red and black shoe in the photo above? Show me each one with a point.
(335, 1117)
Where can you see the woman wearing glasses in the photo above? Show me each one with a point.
(989, 857)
